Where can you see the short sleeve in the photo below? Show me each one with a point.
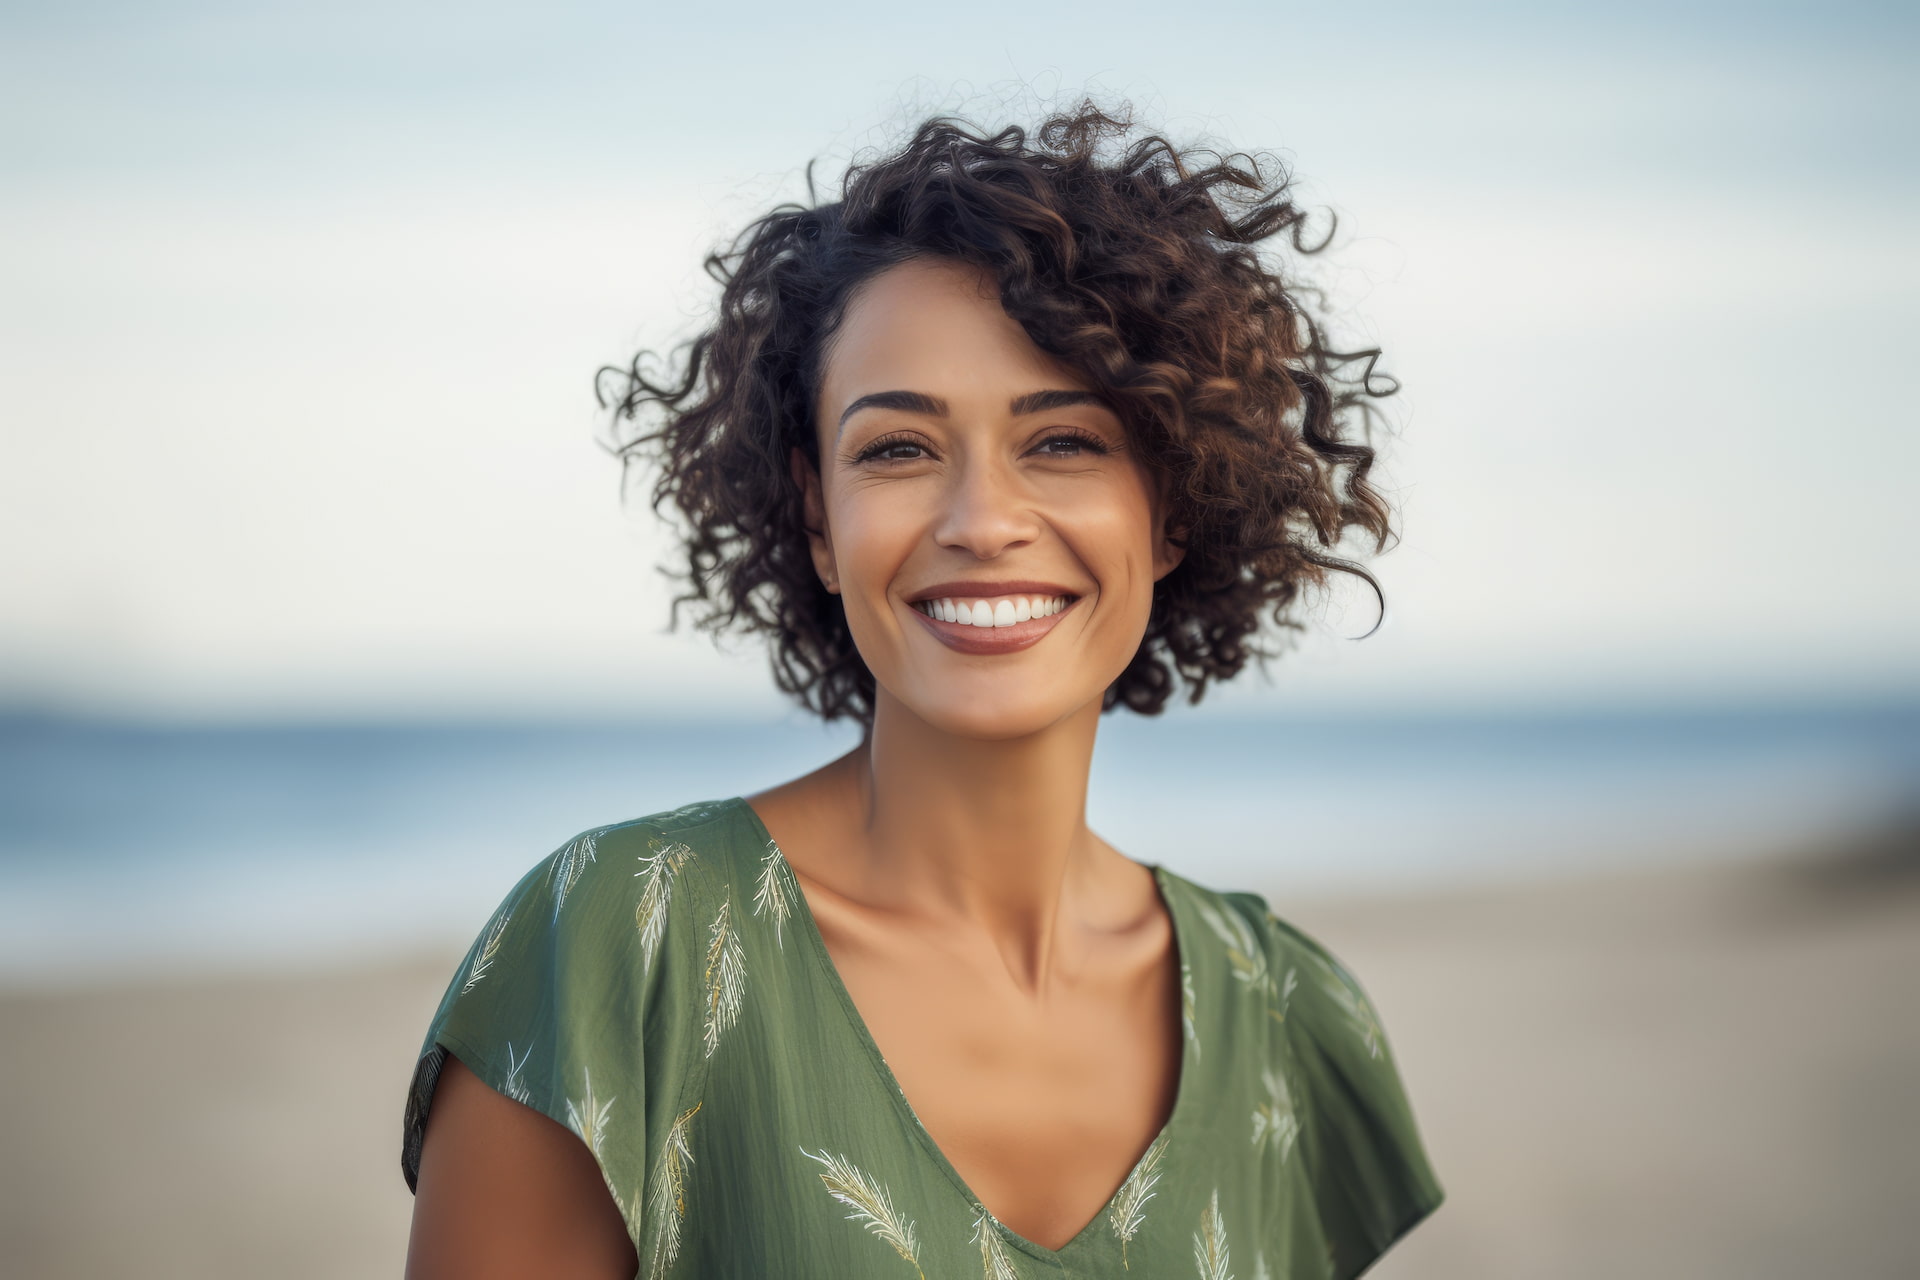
(1372, 1179)
(549, 1007)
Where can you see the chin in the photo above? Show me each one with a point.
(992, 718)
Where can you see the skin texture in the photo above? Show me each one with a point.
(1018, 973)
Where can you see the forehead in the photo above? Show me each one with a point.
(938, 327)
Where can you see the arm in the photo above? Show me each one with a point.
(504, 1191)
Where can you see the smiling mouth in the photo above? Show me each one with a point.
(992, 612)
(996, 626)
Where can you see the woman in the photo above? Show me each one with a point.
(1005, 438)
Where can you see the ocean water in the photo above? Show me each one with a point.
(134, 850)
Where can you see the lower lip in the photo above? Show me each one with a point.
(1020, 635)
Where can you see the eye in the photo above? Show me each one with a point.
(886, 445)
(1078, 441)
(1066, 442)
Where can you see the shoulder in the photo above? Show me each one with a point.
(638, 865)
(605, 912)
(580, 988)
(1238, 928)
(1372, 1177)
(1296, 966)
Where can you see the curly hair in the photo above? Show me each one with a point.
(1140, 273)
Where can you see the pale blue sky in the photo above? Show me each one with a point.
(300, 307)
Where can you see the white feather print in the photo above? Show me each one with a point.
(1274, 1122)
(566, 869)
(1346, 992)
(1278, 1009)
(513, 1086)
(688, 814)
(1284, 999)
(588, 1116)
(994, 1262)
(1210, 1243)
(872, 1206)
(1130, 1202)
(726, 975)
(1359, 1012)
(650, 914)
(770, 896)
(483, 958)
(1187, 1007)
(1244, 952)
(667, 1201)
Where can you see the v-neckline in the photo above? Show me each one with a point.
(1182, 1101)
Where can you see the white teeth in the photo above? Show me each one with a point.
(1003, 612)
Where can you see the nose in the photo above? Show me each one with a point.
(986, 508)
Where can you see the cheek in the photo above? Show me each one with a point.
(874, 531)
(1118, 537)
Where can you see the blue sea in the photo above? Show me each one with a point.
(132, 850)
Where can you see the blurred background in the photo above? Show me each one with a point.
(322, 618)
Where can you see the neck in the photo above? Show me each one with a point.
(987, 834)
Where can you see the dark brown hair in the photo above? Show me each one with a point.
(1139, 271)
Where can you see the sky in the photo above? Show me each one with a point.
(300, 308)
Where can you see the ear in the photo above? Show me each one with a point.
(1167, 556)
(1167, 553)
(814, 516)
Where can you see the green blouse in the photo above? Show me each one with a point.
(660, 988)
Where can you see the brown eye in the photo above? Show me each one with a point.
(1078, 441)
(883, 450)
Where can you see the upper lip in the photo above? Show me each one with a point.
(987, 590)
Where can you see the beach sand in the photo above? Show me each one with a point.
(1701, 1072)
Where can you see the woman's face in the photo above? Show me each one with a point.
(961, 463)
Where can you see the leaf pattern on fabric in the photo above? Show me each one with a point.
(994, 1262)
(726, 975)
(1346, 992)
(1210, 1243)
(872, 1206)
(567, 866)
(1186, 1007)
(1129, 1203)
(650, 914)
(770, 896)
(691, 814)
(513, 1086)
(1244, 952)
(483, 958)
(1274, 1122)
(588, 1116)
(667, 1200)
(581, 1002)
(1359, 1011)
(1278, 1009)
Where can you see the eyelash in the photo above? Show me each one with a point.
(1086, 439)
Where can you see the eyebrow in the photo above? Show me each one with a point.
(934, 407)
